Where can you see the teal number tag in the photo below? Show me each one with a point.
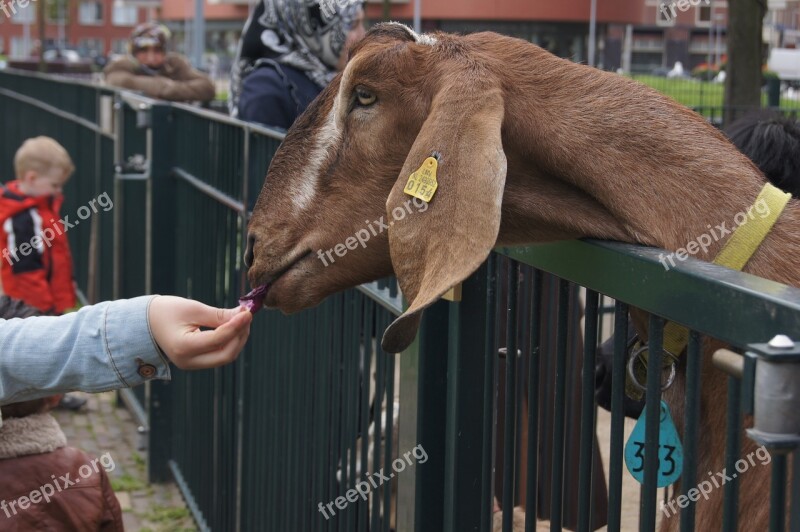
(670, 450)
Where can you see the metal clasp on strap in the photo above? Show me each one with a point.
(637, 350)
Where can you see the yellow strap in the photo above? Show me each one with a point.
(747, 237)
(740, 247)
(742, 244)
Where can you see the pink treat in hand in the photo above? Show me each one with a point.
(254, 300)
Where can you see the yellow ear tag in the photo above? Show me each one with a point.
(422, 183)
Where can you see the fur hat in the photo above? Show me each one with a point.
(149, 34)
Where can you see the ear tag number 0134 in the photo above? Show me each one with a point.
(670, 450)
(422, 183)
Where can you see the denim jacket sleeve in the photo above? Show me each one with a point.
(101, 347)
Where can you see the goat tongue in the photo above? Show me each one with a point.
(254, 300)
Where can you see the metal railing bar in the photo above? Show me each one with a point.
(487, 456)
(777, 493)
(559, 403)
(647, 509)
(683, 294)
(692, 418)
(44, 76)
(55, 111)
(510, 434)
(733, 449)
(188, 497)
(534, 372)
(617, 415)
(135, 408)
(208, 189)
(587, 430)
(794, 504)
(214, 116)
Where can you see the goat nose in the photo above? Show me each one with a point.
(248, 252)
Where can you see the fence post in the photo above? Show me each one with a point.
(161, 273)
(431, 344)
(464, 412)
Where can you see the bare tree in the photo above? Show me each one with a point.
(743, 79)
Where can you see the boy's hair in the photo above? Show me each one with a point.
(14, 308)
(41, 154)
(772, 142)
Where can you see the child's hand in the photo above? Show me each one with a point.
(175, 323)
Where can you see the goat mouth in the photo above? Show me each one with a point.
(268, 281)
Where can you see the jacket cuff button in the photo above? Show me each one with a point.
(147, 371)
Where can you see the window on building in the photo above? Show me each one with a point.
(665, 14)
(20, 48)
(24, 16)
(90, 13)
(124, 15)
(57, 11)
(703, 16)
(119, 46)
(90, 47)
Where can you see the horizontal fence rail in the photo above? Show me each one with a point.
(487, 422)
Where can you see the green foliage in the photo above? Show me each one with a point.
(127, 482)
(698, 94)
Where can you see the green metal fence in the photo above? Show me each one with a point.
(497, 389)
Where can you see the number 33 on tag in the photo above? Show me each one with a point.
(670, 450)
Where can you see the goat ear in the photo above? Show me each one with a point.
(436, 245)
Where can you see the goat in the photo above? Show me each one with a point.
(531, 148)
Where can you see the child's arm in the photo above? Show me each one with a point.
(115, 345)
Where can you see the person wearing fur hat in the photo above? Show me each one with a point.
(158, 73)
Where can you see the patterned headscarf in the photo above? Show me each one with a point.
(299, 33)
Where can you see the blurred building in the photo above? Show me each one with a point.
(93, 27)
(782, 24)
(637, 35)
(690, 32)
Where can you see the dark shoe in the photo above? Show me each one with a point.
(71, 402)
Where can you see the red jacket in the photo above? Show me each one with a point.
(36, 262)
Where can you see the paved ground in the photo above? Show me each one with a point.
(102, 427)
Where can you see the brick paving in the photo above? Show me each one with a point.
(102, 427)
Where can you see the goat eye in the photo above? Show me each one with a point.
(365, 97)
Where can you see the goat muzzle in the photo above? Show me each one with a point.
(248, 252)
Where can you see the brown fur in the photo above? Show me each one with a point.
(534, 148)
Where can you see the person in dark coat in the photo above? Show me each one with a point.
(289, 51)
